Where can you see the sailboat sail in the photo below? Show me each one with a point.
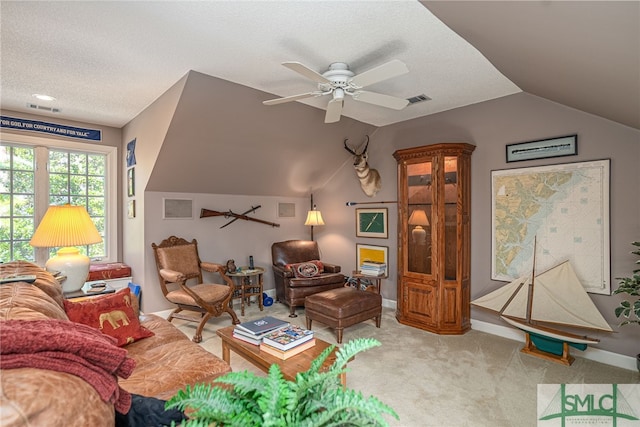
(558, 298)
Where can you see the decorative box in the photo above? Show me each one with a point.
(112, 270)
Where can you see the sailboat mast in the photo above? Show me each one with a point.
(533, 275)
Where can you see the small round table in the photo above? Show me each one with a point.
(248, 283)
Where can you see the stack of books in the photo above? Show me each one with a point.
(287, 342)
(373, 268)
(254, 331)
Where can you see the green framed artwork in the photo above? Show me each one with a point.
(372, 222)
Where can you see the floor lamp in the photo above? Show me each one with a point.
(67, 226)
(314, 217)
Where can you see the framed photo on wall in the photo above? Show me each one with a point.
(131, 209)
(543, 148)
(372, 222)
(131, 182)
(372, 253)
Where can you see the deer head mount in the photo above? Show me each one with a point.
(369, 178)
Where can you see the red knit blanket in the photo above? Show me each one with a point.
(64, 346)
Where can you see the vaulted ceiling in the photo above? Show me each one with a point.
(107, 61)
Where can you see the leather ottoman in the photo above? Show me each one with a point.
(343, 307)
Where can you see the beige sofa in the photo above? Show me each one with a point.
(165, 362)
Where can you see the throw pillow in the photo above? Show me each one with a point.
(113, 314)
(307, 269)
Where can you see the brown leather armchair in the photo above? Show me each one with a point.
(292, 290)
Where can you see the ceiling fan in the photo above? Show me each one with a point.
(339, 81)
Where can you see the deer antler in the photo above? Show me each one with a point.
(346, 147)
(365, 145)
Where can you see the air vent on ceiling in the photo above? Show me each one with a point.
(418, 98)
(43, 108)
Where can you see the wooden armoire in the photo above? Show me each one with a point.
(434, 231)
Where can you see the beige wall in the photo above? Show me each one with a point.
(237, 241)
(148, 129)
(490, 126)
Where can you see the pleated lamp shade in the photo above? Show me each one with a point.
(65, 226)
(314, 218)
(418, 217)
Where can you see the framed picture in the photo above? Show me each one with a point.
(131, 153)
(131, 209)
(131, 182)
(372, 223)
(564, 209)
(375, 254)
(543, 148)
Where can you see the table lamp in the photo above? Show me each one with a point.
(418, 234)
(67, 226)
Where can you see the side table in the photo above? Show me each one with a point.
(248, 282)
(88, 291)
(376, 280)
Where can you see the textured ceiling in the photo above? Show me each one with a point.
(107, 61)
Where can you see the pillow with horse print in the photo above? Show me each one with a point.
(113, 314)
(306, 269)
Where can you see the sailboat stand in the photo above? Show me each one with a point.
(558, 298)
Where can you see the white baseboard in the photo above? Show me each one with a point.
(597, 355)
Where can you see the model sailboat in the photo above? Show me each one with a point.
(537, 303)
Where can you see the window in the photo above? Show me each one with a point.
(36, 173)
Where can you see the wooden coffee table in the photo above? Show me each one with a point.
(290, 367)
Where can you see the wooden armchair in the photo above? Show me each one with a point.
(180, 275)
(296, 278)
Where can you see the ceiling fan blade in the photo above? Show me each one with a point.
(334, 110)
(383, 72)
(291, 98)
(380, 99)
(306, 71)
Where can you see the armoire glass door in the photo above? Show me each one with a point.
(419, 217)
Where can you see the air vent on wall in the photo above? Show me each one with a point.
(418, 98)
(43, 108)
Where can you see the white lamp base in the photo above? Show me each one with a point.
(419, 235)
(71, 263)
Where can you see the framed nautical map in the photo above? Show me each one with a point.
(563, 208)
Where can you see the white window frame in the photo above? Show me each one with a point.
(42, 189)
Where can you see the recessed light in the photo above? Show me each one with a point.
(44, 97)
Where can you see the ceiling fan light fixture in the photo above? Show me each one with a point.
(339, 81)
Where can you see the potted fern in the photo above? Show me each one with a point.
(629, 308)
(314, 399)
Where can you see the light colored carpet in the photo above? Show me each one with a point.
(476, 379)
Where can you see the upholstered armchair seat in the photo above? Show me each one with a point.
(325, 279)
(208, 292)
(292, 290)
